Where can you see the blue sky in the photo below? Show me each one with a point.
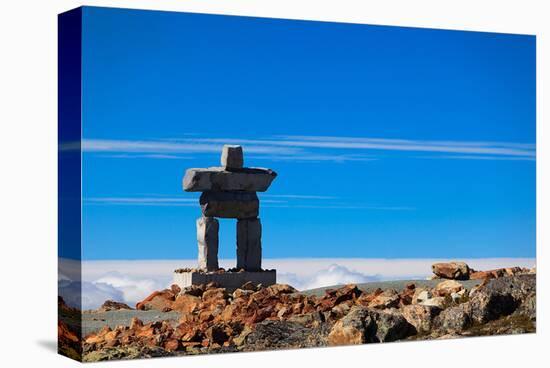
(389, 142)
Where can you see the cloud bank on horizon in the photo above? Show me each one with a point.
(132, 281)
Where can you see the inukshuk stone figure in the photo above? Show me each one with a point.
(229, 191)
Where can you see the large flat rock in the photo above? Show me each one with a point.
(219, 179)
(228, 280)
(237, 205)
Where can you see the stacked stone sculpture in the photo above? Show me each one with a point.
(229, 191)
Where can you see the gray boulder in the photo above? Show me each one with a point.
(501, 297)
(391, 326)
(284, 335)
(366, 325)
(357, 327)
(490, 302)
(455, 319)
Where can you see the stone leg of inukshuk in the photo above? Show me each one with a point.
(249, 244)
(207, 238)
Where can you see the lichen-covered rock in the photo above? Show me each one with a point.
(357, 327)
(420, 316)
(365, 325)
(455, 318)
(528, 307)
(130, 352)
(501, 296)
(391, 326)
(283, 335)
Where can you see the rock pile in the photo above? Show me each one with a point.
(254, 317)
(461, 271)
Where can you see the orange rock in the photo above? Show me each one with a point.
(451, 270)
(406, 296)
(175, 289)
(112, 335)
(146, 331)
(387, 299)
(64, 332)
(205, 315)
(99, 337)
(192, 334)
(447, 287)
(158, 300)
(135, 323)
(172, 345)
(280, 289)
(490, 274)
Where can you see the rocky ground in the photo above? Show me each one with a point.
(209, 319)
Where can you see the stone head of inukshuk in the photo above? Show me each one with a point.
(229, 191)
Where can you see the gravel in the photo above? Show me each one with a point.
(94, 321)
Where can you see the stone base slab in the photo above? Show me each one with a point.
(228, 280)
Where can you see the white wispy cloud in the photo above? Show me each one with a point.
(344, 207)
(270, 201)
(312, 157)
(383, 144)
(150, 156)
(296, 196)
(302, 148)
(143, 201)
(474, 157)
(163, 146)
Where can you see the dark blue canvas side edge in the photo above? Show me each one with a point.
(69, 184)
